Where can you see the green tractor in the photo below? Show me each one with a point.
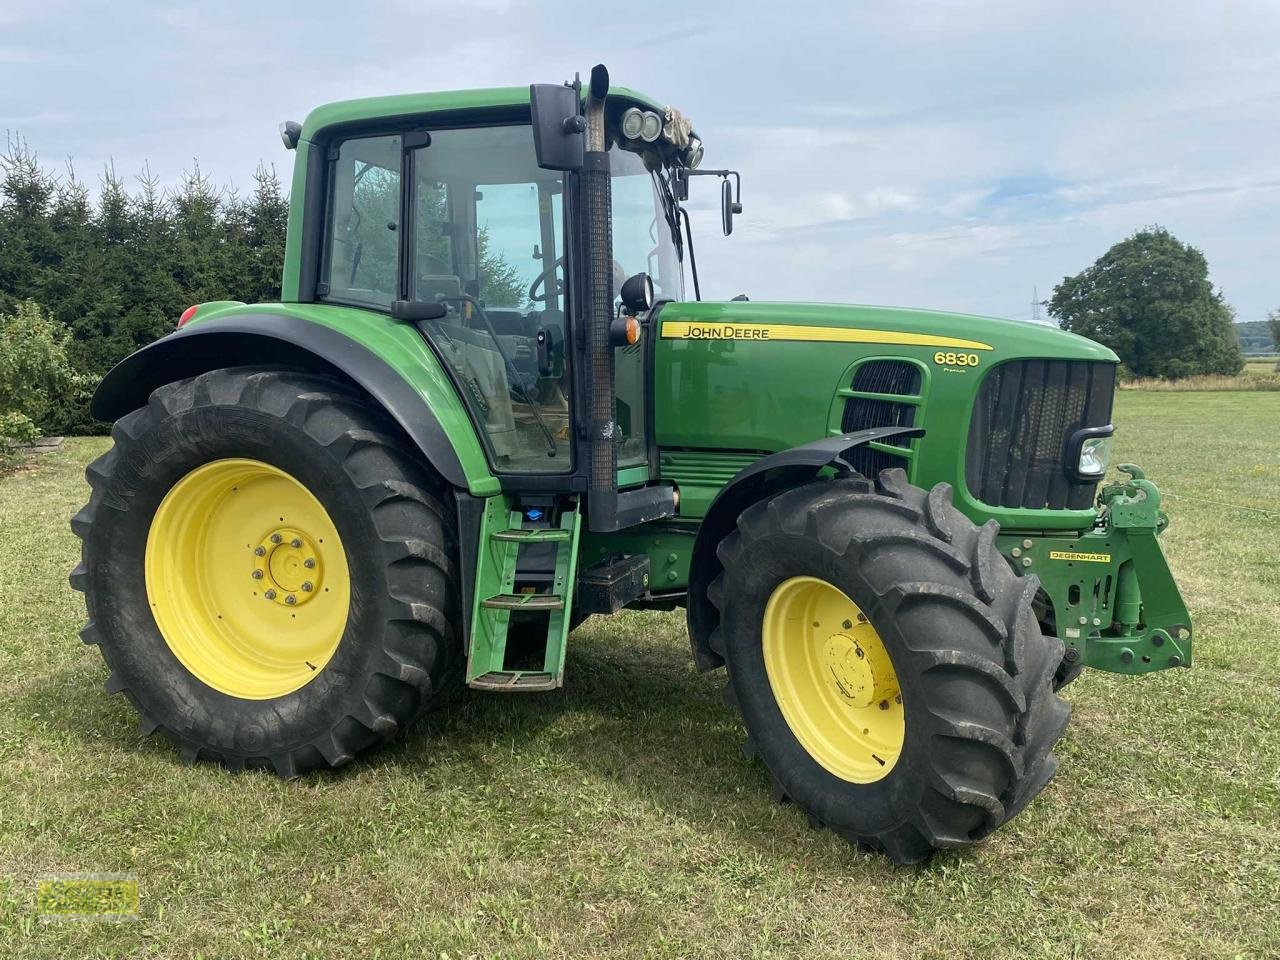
(486, 409)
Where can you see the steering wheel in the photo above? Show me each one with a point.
(542, 279)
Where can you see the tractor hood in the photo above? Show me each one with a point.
(743, 379)
(896, 329)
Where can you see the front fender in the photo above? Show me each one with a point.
(765, 477)
(404, 378)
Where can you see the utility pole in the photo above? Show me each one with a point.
(1035, 305)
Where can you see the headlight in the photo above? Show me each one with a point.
(1095, 455)
(632, 123)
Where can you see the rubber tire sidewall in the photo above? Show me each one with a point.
(863, 808)
(142, 659)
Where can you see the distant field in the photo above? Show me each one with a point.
(618, 817)
(1257, 375)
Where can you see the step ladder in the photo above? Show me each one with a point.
(503, 532)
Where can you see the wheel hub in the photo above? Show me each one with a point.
(288, 564)
(849, 670)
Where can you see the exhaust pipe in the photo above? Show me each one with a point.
(596, 208)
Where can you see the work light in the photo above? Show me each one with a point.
(695, 152)
(632, 123)
(651, 128)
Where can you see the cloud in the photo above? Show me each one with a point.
(948, 154)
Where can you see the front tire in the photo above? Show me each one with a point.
(887, 663)
(268, 571)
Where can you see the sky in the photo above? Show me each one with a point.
(953, 155)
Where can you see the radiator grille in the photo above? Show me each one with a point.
(887, 376)
(862, 413)
(1025, 413)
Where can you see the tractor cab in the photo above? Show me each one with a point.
(464, 233)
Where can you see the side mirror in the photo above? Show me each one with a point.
(558, 126)
(728, 206)
(414, 310)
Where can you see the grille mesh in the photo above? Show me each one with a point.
(887, 376)
(863, 413)
(1025, 413)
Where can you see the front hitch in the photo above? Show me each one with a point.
(1115, 604)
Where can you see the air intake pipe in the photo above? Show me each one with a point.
(597, 218)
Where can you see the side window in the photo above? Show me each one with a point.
(362, 239)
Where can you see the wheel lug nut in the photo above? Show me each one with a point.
(307, 586)
(270, 594)
(309, 563)
(276, 538)
(291, 599)
(257, 574)
(260, 551)
(295, 543)
(884, 704)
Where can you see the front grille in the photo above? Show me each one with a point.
(862, 413)
(887, 376)
(1025, 413)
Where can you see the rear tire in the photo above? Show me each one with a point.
(978, 713)
(395, 648)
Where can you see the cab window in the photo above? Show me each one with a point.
(487, 242)
(362, 241)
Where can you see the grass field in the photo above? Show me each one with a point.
(618, 818)
(1257, 375)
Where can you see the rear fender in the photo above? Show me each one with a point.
(765, 477)
(281, 339)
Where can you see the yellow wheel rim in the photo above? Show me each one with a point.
(247, 579)
(833, 679)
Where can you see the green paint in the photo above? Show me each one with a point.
(668, 544)
(402, 347)
(633, 476)
(700, 474)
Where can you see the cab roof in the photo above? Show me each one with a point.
(414, 104)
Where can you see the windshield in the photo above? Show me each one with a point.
(641, 244)
(641, 235)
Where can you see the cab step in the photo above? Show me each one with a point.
(512, 587)
(536, 535)
(523, 601)
(517, 681)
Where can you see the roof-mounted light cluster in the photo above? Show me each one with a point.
(647, 126)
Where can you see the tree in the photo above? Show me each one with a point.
(35, 375)
(1149, 299)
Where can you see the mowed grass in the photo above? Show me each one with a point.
(618, 817)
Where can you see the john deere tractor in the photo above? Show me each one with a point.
(487, 407)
